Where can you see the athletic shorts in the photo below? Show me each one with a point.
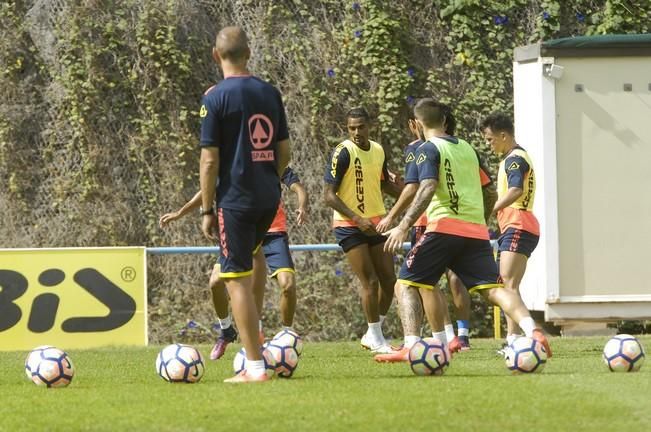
(241, 233)
(350, 237)
(518, 241)
(471, 259)
(276, 250)
(416, 233)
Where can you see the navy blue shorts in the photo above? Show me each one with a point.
(416, 233)
(518, 241)
(276, 250)
(471, 259)
(241, 232)
(350, 237)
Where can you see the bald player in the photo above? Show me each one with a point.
(244, 150)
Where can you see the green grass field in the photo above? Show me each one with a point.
(336, 387)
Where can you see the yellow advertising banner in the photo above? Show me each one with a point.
(72, 297)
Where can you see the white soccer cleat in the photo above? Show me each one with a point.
(366, 342)
(384, 348)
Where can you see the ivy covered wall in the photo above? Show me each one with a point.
(99, 115)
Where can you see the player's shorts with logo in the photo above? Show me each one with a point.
(241, 232)
(350, 237)
(416, 233)
(469, 258)
(276, 250)
(517, 240)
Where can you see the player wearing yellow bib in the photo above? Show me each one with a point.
(457, 237)
(354, 179)
(516, 183)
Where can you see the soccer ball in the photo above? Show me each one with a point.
(623, 353)
(429, 357)
(286, 358)
(239, 362)
(525, 355)
(180, 363)
(289, 338)
(49, 366)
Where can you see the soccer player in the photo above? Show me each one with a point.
(279, 262)
(457, 236)
(245, 147)
(408, 297)
(518, 225)
(354, 180)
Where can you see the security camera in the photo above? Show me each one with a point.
(552, 70)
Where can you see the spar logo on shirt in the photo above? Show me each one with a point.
(261, 132)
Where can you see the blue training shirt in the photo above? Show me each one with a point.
(245, 118)
(411, 170)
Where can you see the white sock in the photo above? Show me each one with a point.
(528, 326)
(463, 331)
(382, 318)
(511, 338)
(375, 331)
(255, 367)
(440, 336)
(288, 328)
(449, 332)
(410, 341)
(260, 325)
(225, 323)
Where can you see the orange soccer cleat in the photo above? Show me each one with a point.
(402, 355)
(540, 337)
(455, 345)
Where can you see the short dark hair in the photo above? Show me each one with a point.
(498, 122)
(430, 112)
(450, 120)
(358, 112)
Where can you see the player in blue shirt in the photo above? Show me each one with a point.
(244, 147)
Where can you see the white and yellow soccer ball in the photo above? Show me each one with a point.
(49, 366)
(180, 363)
(429, 356)
(623, 353)
(525, 355)
(239, 362)
(290, 338)
(286, 358)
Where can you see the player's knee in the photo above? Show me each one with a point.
(288, 288)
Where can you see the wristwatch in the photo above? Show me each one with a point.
(208, 211)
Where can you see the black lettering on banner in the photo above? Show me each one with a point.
(121, 306)
(43, 313)
(12, 286)
(359, 184)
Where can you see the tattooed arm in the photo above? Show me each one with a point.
(422, 199)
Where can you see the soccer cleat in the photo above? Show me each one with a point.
(454, 345)
(244, 378)
(382, 348)
(465, 343)
(540, 337)
(365, 342)
(228, 335)
(401, 355)
(502, 351)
